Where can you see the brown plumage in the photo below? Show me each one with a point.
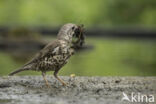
(56, 54)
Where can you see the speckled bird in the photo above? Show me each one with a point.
(56, 54)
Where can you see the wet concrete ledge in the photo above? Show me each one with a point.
(80, 90)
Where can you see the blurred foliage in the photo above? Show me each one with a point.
(88, 12)
(23, 34)
(110, 57)
(124, 12)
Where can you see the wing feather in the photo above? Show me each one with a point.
(48, 48)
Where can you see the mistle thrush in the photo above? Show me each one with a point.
(56, 54)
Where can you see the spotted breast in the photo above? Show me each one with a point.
(55, 59)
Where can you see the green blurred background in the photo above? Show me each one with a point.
(106, 57)
(88, 12)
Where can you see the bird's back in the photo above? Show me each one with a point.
(52, 57)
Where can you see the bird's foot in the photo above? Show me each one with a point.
(48, 85)
(64, 84)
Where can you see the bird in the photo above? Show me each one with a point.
(55, 54)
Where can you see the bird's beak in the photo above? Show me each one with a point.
(79, 34)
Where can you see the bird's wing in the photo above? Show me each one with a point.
(48, 48)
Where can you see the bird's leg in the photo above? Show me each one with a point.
(55, 75)
(43, 74)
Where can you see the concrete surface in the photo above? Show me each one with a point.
(80, 90)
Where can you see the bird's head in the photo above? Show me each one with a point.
(71, 33)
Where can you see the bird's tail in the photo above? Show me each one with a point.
(18, 70)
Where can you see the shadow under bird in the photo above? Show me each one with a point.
(56, 54)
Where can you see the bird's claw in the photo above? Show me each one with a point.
(48, 86)
(64, 84)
